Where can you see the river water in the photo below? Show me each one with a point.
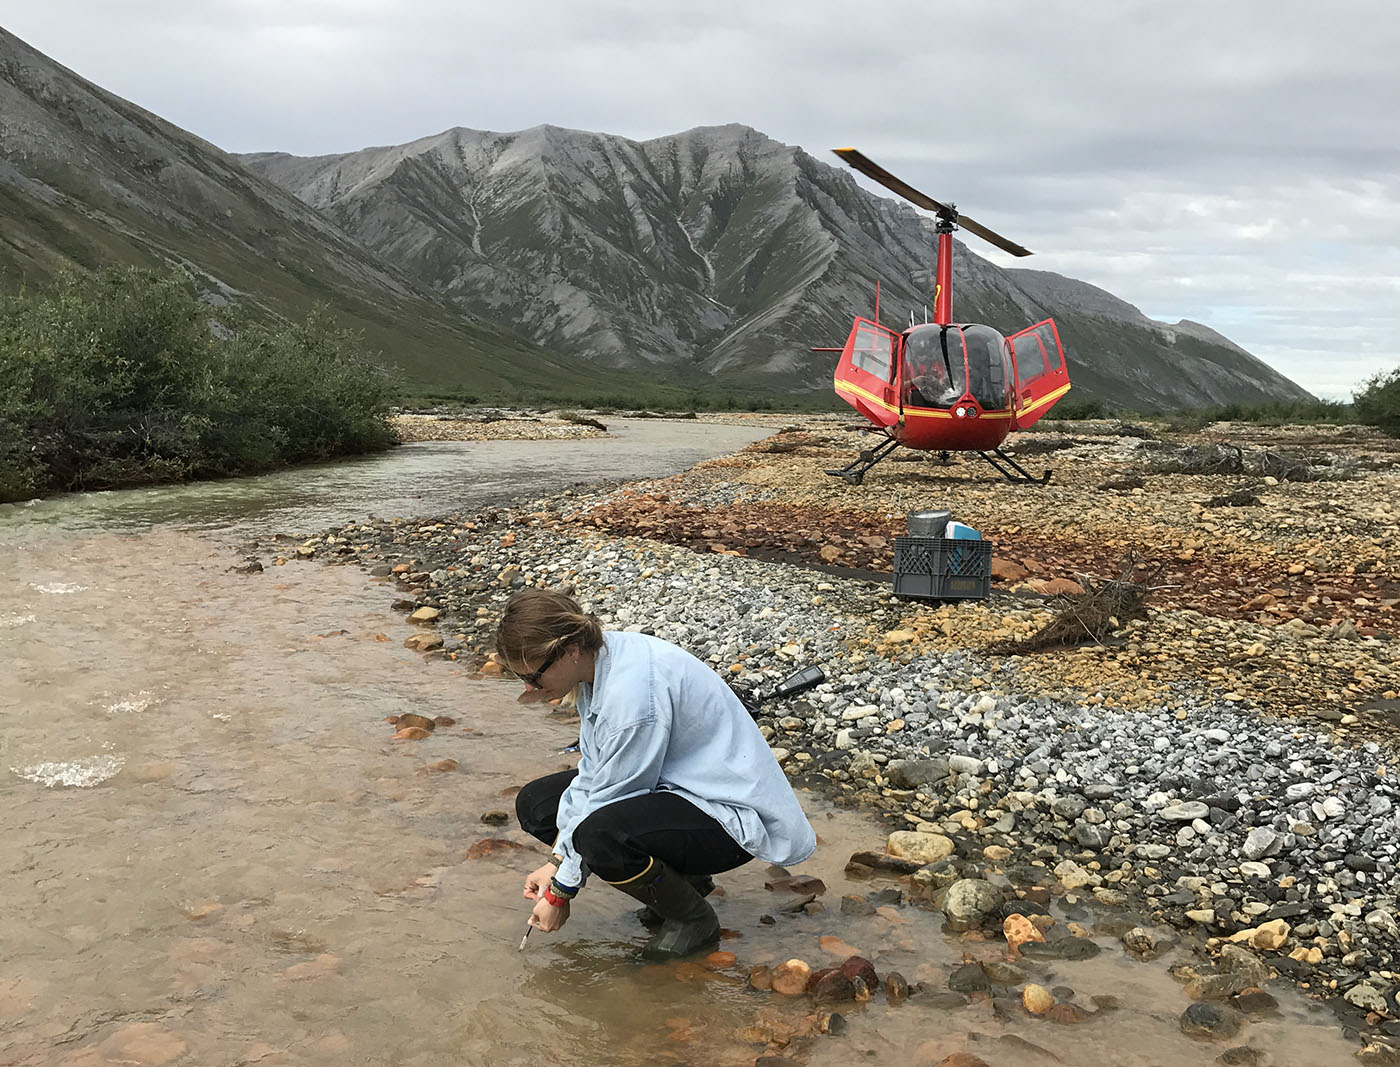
(215, 853)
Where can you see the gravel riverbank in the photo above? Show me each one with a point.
(1225, 764)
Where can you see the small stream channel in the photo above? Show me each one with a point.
(212, 851)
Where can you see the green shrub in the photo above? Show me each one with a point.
(125, 377)
(1377, 403)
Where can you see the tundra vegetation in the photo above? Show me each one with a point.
(126, 377)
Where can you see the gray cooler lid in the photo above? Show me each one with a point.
(928, 523)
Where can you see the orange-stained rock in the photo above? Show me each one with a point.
(717, 960)
(836, 947)
(196, 912)
(147, 1044)
(382, 637)
(1057, 586)
(790, 978)
(392, 720)
(862, 968)
(1005, 570)
(1018, 930)
(492, 669)
(423, 642)
(416, 720)
(961, 1059)
(829, 553)
(445, 720)
(412, 733)
(1067, 1013)
(1036, 999)
(492, 846)
(508, 540)
(323, 965)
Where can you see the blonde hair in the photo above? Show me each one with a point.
(539, 623)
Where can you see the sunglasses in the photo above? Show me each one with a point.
(533, 678)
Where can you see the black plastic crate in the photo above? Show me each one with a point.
(942, 568)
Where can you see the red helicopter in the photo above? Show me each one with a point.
(946, 386)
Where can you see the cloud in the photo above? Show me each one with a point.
(1236, 164)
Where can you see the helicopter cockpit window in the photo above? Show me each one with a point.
(934, 374)
(873, 351)
(988, 365)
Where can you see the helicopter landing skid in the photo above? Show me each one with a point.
(1017, 473)
(854, 471)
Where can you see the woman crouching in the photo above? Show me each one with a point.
(674, 782)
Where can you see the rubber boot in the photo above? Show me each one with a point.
(704, 885)
(688, 922)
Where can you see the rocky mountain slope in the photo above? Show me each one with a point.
(717, 253)
(88, 179)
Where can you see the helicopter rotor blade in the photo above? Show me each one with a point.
(859, 161)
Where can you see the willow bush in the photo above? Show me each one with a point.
(125, 377)
(1377, 403)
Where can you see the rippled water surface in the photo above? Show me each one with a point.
(215, 853)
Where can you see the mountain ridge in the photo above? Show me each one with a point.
(720, 252)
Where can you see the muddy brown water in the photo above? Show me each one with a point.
(213, 852)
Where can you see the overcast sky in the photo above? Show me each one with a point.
(1235, 162)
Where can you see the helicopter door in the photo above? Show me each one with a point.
(865, 377)
(1041, 375)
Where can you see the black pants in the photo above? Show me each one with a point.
(618, 841)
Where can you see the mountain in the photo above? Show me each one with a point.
(717, 254)
(88, 179)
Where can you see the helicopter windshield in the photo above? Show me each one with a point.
(988, 365)
(935, 372)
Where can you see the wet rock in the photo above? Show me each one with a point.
(1216, 986)
(1027, 1051)
(969, 902)
(413, 733)
(1065, 948)
(797, 883)
(1210, 1020)
(878, 861)
(420, 721)
(896, 988)
(1067, 1014)
(1003, 974)
(1036, 999)
(1018, 931)
(969, 978)
(493, 846)
(1239, 960)
(922, 848)
(424, 642)
(862, 968)
(1142, 944)
(835, 946)
(833, 988)
(961, 1059)
(1254, 1003)
(912, 773)
(791, 978)
(856, 905)
(496, 818)
(444, 720)
(761, 978)
(1240, 1056)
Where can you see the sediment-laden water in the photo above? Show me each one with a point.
(215, 853)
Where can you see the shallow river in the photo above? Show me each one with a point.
(214, 853)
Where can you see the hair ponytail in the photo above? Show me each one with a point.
(538, 623)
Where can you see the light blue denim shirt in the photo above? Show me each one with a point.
(655, 718)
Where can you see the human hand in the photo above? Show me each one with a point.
(536, 881)
(547, 917)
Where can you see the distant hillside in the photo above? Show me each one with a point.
(718, 253)
(88, 179)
